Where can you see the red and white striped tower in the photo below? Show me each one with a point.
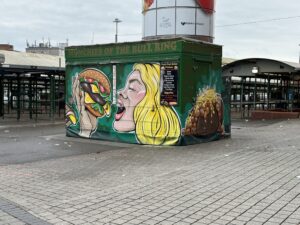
(172, 18)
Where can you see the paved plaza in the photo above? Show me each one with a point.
(251, 178)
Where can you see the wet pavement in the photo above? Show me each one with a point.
(25, 142)
(251, 178)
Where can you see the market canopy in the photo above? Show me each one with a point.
(22, 62)
(260, 67)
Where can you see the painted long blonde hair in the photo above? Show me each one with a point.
(155, 124)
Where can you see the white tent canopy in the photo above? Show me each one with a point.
(13, 59)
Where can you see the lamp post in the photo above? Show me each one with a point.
(299, 53)
(117, 21)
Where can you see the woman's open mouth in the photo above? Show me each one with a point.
(120, 112)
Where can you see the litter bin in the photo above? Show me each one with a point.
(160, 92)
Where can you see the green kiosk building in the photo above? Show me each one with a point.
(157, 92)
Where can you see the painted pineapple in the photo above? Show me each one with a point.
(206, 117)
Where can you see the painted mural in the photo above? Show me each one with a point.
(206, 117)
(138, 115)
(161, 92)
(91, 94)
(139, 109)
(71, 119)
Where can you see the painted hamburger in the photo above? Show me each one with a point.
(95, 87)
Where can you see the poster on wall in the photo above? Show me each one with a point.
(169, 83)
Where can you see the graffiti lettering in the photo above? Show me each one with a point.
(108, 51)
(101, 51)
(143, 48)
(122, 50)
(165, 46)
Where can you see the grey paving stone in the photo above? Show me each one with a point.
(292, 221)
(237, 222)
(198, 184)
(243, 218)
(254, 223)
(150, 222)
(166, 222)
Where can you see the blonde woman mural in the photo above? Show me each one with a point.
(139, 108)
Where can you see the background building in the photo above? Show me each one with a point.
(6, 47)
(47, 48)
(263, 88)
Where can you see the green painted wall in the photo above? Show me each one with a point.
(148, 76)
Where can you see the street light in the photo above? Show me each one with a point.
(255, 70)
(117, 21)
(299, 54)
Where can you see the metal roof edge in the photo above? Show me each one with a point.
(296, 66)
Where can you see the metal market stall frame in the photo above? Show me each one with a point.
(259, 84)
(31, 86)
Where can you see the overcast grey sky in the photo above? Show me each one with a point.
(84, 22)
